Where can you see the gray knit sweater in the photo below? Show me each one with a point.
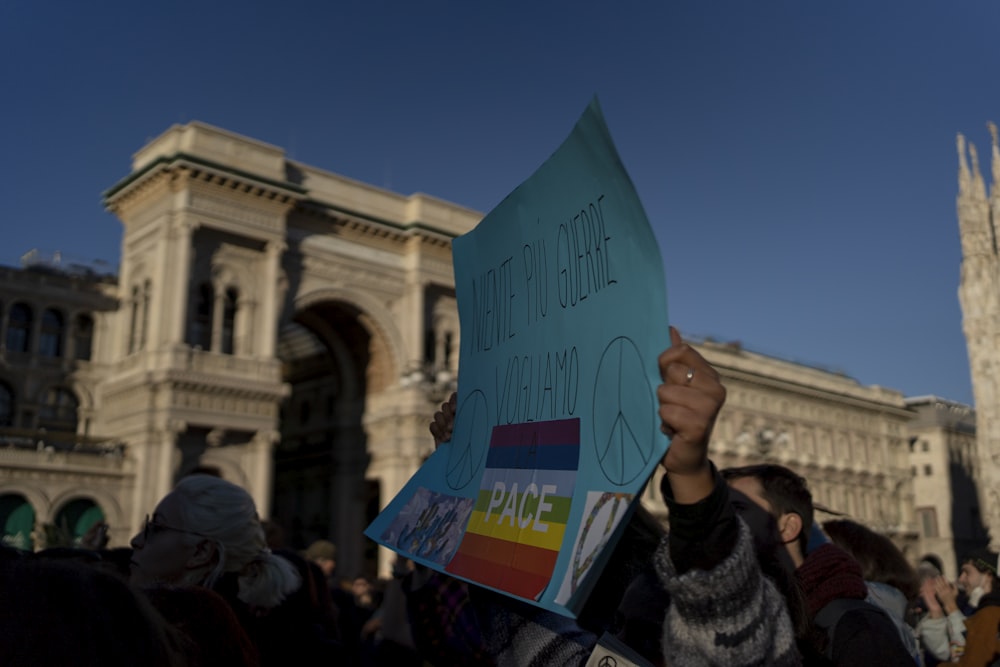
(731, 615)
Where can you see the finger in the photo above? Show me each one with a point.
(692, 394)
(686, 356)
(693, 416)
(680, 374)
(675, 337)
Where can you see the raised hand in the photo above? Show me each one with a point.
(929, 596)
(690, 399)
(444, 421)
(947, 593)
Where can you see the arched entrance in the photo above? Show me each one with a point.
(73, 521)
(17, 521)
(331, 359)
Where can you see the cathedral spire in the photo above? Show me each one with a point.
(978, 186)
(995, 166)
(964, 180)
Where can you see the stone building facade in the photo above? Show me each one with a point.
(294, 330)
(848, 440)
(945, 469)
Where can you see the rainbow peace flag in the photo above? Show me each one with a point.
(517, 524)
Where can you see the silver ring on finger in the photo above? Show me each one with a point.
(689, 376)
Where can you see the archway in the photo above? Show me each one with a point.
(17, 521)
(73, 521)
(331, 359)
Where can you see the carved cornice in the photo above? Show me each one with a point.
(180, 170)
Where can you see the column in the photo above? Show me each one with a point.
(269, 310)
(184, 232)
(415, 312)
(218, 310)
(261, 473)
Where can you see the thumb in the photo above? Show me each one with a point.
(675, 337)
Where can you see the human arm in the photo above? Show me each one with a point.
(947, 593)
(723, 610)
(690, 399)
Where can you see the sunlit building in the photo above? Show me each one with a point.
(293, 331)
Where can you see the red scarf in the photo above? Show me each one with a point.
(830, 573)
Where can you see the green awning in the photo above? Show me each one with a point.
(17, 519)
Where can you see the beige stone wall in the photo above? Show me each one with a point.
(367, 274)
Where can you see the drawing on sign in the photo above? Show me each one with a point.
(603, 512)
(623, 430)
(468, 441)
(430, 525)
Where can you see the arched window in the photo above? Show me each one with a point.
(19, 328)
(76, 518)
(6, 405)
(58, 410)
(133, 325)
(17, 521)
(83, 337)
(229, 321)
(201, 326)
(50, 341)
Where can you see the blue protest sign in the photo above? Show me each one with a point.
(562, 304)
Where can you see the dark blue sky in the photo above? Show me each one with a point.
(796, 159)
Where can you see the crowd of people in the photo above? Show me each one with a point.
(741, 574)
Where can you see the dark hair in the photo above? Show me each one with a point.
(881, 560)
(985, 561)
(210, 630)
(63, 612)
(785, 490)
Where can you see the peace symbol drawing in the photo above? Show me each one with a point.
(624, 416)
(469, 441)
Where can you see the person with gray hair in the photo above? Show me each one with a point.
(206, 532)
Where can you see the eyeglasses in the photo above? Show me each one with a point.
(151, 527)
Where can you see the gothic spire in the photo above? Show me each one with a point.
(995, 166)
(964, 180)
(978, 186)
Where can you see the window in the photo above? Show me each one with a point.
(928, 471)
(133, 334)
(83, 337)
(925, 446)
(50, 341)
(147, 289)
(19, 328)
(6, 405)
(58, 410)
(229, 321)
(928, 521)
(201, 327)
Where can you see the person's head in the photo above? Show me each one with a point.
(978, 575)
(66, 612)
(930, 565)
(361, 587)
(881, 561)
(324, 554)
(205, 528)
(785, 495)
